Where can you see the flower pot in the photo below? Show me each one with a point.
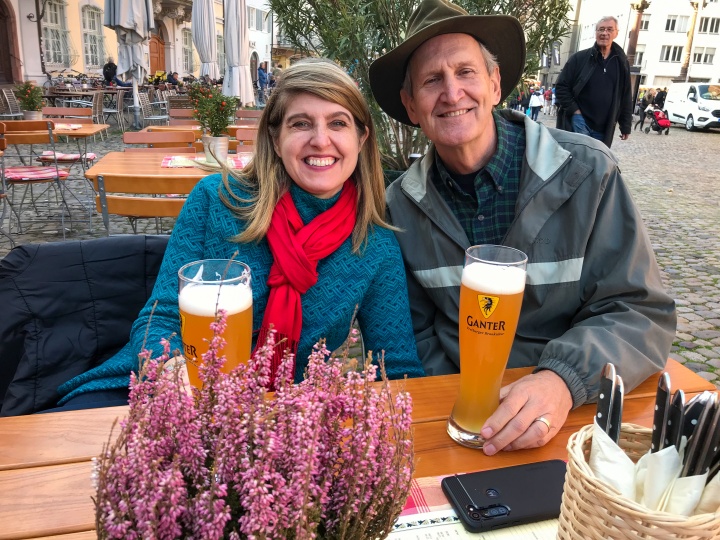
(217, 146)
(32, 115)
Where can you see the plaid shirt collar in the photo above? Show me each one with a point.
(500, 164)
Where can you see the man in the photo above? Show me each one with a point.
(593, 90)
(109, 70)
(659, 100)
(548, 100)
(172, 78)
(593, 292)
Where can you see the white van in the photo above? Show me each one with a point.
(696, 105)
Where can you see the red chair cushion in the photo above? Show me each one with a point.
(47, 156)
(19, 174)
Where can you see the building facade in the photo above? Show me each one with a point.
(662, 40)
(75, 40)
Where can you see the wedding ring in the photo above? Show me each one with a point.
(544, 421)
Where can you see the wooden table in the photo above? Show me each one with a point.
(148, 164)
(45, 462)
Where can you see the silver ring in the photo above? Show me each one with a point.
(544, 421)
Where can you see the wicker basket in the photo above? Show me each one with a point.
(593, 510)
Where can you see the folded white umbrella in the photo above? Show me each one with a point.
(132, 21)
(205, 37)
(237, 81)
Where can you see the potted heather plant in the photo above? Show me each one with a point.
(30, 98)
(215, 112)
(330, 457)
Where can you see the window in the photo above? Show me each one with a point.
(670, 23)
(703, 55)
(645, 21)
(187, 50)
(268, 21)
(221, 54)
(55, 35)
(93, 41)
(643, 79)
(556, 53)
(255, 19)
(682, 24)
(709, 25)
(670, 53)
(639, 53)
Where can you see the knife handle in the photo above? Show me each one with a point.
(605, 397)
(662, 404)
(616, 410)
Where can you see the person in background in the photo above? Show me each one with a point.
(594, 293)
(659, 100)
(172, 78)
(547, 96)
(110, 74)
(307, 214)
(262, 83)
(109, 70)
(645, 101)
(536, 103)
(593, 89)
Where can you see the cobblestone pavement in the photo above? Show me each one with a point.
(674, 180)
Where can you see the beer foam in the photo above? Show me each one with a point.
(493, 278)
(201, 300)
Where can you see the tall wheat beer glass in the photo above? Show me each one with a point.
(204, 287)
(491, 293)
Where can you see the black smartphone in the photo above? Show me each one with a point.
(506, 497)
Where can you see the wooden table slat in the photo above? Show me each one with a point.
(46, 501)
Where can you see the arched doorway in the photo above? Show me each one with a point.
(253, 67)
(156, 47)
(10, 59)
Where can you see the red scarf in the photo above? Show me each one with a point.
(297, 248)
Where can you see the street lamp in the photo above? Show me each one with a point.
(639, 8)
(684, 70)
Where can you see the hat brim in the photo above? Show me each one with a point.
(501, 34)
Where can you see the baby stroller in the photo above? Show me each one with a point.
(658, 121)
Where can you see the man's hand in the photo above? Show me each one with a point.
(624, 136)
(513, 426)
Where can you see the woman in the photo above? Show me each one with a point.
(316, 160)
(646, 100)
(535, 104)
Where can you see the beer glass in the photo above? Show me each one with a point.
(491, 293)
(204, 287)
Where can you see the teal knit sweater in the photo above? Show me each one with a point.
(374, 280)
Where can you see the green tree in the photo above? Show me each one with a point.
(355, 32)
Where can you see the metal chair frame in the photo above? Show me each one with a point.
(30, 133)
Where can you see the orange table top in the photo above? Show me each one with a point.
(45, 465)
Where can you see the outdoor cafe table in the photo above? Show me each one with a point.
(45, 459)
(148, 164)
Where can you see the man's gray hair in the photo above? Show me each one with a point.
(608, 18)
(491, 64)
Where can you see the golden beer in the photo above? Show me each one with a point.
(491, 296)
(198, 302)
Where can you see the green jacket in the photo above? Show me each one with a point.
(593, 292)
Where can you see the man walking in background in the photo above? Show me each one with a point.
(593, 91)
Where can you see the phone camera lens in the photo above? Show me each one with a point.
(492, 493)
(475, 515)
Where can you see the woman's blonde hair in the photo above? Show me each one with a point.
(265, 176)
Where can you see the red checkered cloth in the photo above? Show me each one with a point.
(426, 495)
(47, 156)
(236, 161)
(34, 173)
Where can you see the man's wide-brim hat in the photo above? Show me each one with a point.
(502, 35)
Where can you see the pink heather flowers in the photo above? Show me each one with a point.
(331, 457)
